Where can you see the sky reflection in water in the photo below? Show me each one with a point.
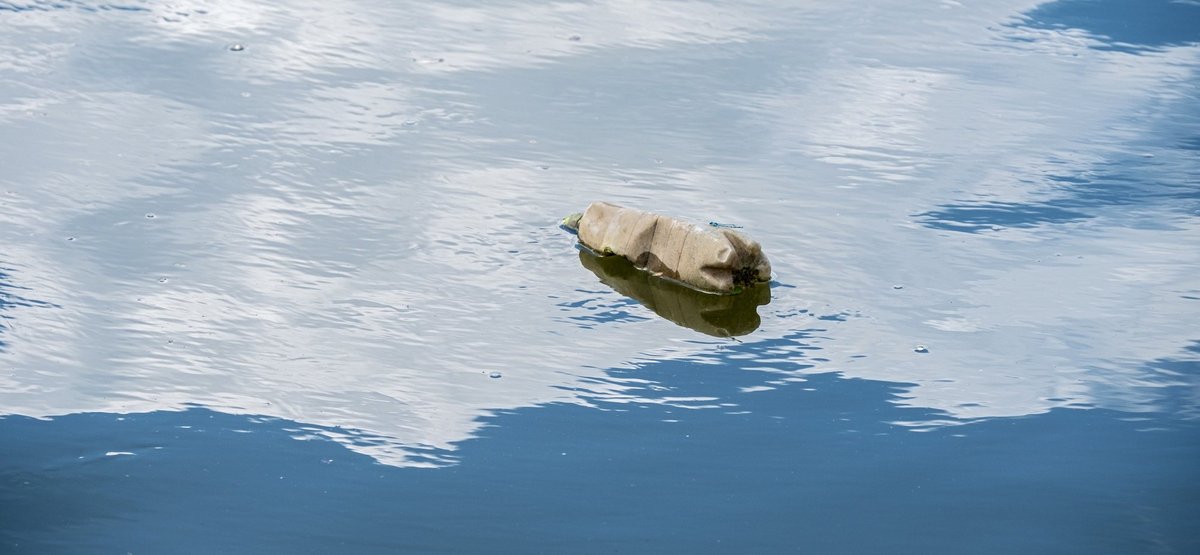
(819, 464)
(351, 223)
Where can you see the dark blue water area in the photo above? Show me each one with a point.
(1127, 25)
(821, 466)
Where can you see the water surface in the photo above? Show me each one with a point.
(287, 278)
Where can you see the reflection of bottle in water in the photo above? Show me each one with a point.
(716, 315)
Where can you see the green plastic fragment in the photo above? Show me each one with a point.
(572, 220)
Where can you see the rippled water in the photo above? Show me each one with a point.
(227, 226)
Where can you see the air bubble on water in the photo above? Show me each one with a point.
(897, 287)
(150, 216)
(409, 123)
(237, 47)
(494, 375)
(920, 349)
(162, 280)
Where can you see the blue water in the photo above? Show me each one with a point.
(288, 278)
(814, 470)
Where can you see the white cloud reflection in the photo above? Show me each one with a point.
(353, 244)
(308, 38)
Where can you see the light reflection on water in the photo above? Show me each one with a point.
(355, 215)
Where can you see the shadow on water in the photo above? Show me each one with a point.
(826, 455)
(1123, 25)
(715, 315)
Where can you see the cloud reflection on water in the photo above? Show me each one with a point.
(351, 234)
